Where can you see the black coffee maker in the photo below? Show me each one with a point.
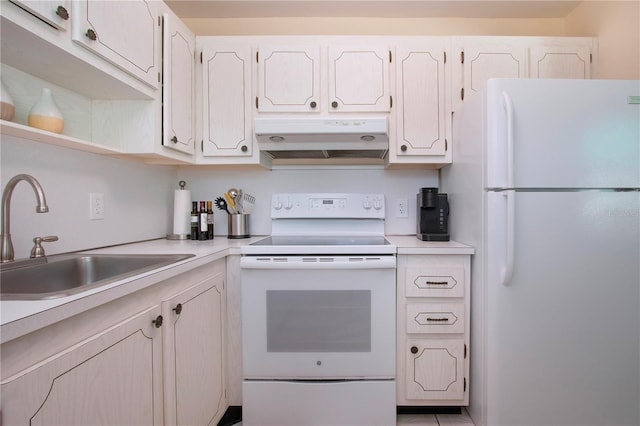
(433, 215)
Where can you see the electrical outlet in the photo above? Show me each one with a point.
(96, 206)
(402, 207)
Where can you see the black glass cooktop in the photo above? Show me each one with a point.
(321, 241)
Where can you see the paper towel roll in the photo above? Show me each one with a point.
(181, 212)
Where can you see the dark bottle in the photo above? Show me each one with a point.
(194, 221)
(202, 222)
(210, 219)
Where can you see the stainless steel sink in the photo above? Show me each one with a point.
(64, 275)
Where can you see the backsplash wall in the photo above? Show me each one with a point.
(207, 183)
(136, 197)
(139, 197)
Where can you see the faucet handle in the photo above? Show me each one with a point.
(38, 250)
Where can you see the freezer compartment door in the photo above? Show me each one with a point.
(563, 337)
(566, 134)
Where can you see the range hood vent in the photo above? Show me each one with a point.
(322, 138)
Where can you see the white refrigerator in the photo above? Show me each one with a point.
(545, 184)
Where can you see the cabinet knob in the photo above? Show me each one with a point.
(334, 104)
(403, 148)
(178, 309)
(91, 35)
(158, 321)
(62, 12)
(244, 148)
(414, 349)
(174, 139)
(313, 104)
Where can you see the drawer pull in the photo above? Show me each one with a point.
(437, 319)
(437, 283)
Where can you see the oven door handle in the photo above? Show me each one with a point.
(346, 262)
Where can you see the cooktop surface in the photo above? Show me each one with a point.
(286, 240)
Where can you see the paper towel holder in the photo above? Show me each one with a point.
(176, 235)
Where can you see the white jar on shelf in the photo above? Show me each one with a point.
(45, 114)
(7, 108)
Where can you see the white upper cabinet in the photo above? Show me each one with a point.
(123, 33)
(312, 77)
(560, 62)
(178, 81)
(289, 79)
(226, 101)
(54, 13)
(482, 58)
(421, 108)
(359, 79)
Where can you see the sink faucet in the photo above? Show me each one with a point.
(6, 250)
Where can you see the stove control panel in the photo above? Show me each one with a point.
(328, 205)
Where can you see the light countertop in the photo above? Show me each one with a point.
(18, 317)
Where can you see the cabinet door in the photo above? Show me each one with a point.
(288, 79)
(54, 13)
(482, 61)
(420, 95)
(194, 368)
(122, 32)
(560, 62)
(359, 79)
(112, 378)
(435, 369)
(178, 73)
(227, 101)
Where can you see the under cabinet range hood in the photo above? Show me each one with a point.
(323, 138)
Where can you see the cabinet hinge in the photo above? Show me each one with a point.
(462, 57)
(445, 57)
(390, 57)
(256, 102)
(464, 387)
(462, 94)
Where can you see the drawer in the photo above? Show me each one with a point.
(445, 281)
(425, 318)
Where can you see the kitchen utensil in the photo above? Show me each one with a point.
(239, 203)
(248, 202)
(231, 205)
(221, 204)
(233, 192)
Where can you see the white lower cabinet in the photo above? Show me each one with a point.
(433, 330)
(153, 357)
(109, 378)
(193, 357)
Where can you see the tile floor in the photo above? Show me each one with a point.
(462, 419)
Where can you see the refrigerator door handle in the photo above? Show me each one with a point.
(508, 107)
(507, 271)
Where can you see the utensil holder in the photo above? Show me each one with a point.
(238, 226)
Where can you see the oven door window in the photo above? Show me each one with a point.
(318, 321)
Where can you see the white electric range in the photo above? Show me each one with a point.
(318, 314)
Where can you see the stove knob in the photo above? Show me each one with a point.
(377, 204)
(277, 204)
(288, 205)
(367, 205)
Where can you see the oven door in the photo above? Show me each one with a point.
(318, 318)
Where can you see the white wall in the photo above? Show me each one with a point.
(138, 197)
(207, 183)
(617, 26)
